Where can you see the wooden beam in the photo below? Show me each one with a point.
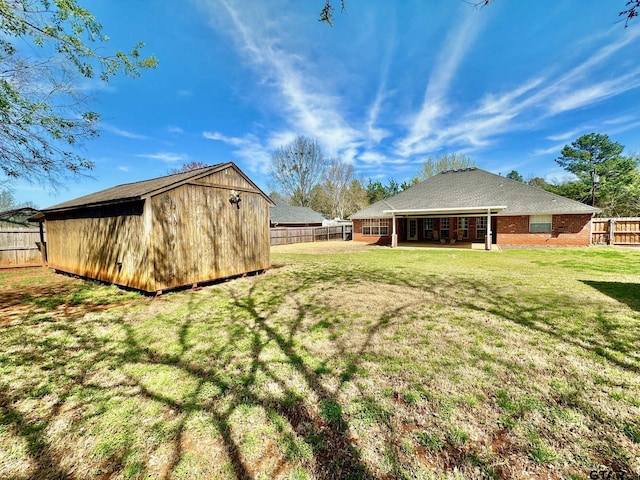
(226, 187)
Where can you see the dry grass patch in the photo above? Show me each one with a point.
(384, 364)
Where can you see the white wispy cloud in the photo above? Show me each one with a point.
(436, 103)
(123, 168)
(307, 105)
(568, 135)
(184, 93)
(168, 157)
(249, 148)
(595, 92)
(304, 102)
(123, 133)
(175, 129)
(526, 106)
(553, 150)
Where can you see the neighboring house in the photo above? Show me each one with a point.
(17, 218)
(284, 215)
(176, 230)
(473, 205)
(20, 240)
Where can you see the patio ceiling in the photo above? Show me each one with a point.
(451, 212)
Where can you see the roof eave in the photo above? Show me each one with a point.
(105, 203)
(449, 210)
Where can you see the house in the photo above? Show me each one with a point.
(473, 205)
(21, 242)
(157, 234)
(284, 215)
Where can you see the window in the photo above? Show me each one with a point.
(463, 227)
(540, 223)
(444, 228)
(481, 228)
(375, 227)
(428, 227)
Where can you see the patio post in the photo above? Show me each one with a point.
(487, 239)
(394, 235)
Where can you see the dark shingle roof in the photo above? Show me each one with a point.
(474, 188)
(285, 213)
(138, 190)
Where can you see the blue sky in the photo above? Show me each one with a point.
(391, 84)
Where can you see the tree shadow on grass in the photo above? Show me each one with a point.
(628, 293)
(263, 326)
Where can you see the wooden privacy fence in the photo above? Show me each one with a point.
(288, 235)
(616, 231)
(19, 247)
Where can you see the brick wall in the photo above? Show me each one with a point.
(384, 239)
(566, 230)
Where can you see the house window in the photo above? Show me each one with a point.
(540, 223)
(463, 227)
(376, 227)
(444, 228)
(481, 228)
(428, 227)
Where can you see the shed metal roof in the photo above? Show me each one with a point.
(470, 189)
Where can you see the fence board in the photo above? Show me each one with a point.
(18, 248)
(616, 231)
(289, 235)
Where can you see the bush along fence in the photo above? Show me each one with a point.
(615, 231)
(288, 235)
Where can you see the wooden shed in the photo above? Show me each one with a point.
(167, 232)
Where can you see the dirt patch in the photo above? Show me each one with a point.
(29, 291)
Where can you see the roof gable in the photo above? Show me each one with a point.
(474, 188)
(139, 190)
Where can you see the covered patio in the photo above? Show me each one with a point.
(452, 227)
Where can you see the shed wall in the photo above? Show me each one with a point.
(198, 235)
(107, 244)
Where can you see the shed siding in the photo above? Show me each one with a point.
(102, 245)
(566, 230)
(198, 235)
(178, 236)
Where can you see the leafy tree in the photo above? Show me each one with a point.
(599, 165)
(7, 202)
(538, 182)
(297, 168)
(338, 178)
(631, 10)
(356, 198)
(326, 14)
(276, 197)
(449, 161)
(514, 175)
(393, 188)
(409, 184)
(375, 191)
(43, 115)
(188, 167)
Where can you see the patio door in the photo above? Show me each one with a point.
(412, 229)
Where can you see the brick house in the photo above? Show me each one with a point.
(473, 205)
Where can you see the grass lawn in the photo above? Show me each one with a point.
(349, 361)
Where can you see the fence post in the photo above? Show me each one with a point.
(612, 231)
